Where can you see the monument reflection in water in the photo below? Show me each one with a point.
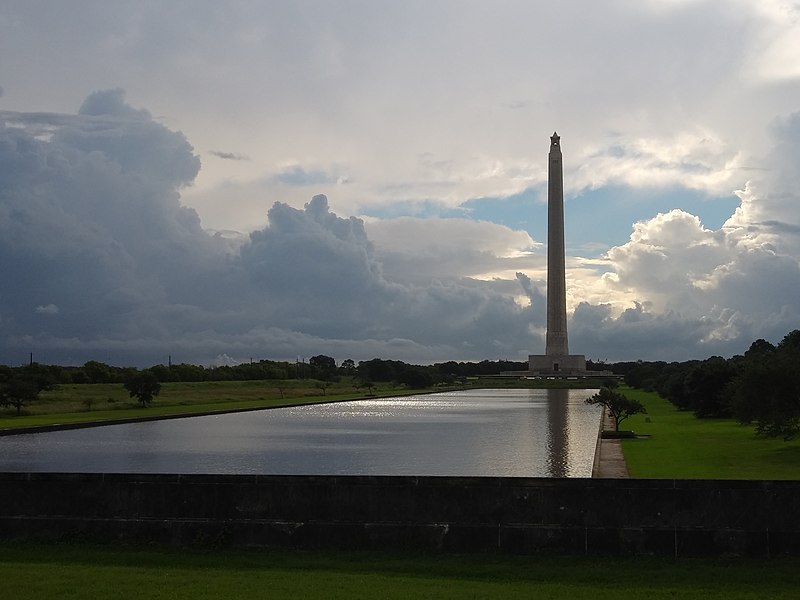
(558, 434)
(488, 433)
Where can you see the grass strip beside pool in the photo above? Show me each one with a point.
(681, 446)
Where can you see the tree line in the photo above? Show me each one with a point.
(317, 367)
(761, 387)
(20, 386)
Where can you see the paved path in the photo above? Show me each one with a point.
(611, 463)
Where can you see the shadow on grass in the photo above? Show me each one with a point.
(787, 456)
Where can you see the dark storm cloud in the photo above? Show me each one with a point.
(638, 332)
(90, 221)
(316, 269)
(537, 298)
(322, 277)
(106, 262)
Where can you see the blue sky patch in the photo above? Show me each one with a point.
(598, 219)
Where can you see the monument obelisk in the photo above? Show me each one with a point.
(556, 344)
(556, 359)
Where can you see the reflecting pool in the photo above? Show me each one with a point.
(492, 433)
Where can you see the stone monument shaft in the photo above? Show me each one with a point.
(556, 360)
(556, 343)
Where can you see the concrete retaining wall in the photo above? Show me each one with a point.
(451, 514)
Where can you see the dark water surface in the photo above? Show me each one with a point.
(518, 433)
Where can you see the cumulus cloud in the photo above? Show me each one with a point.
(694, 159)
(677, 284)
(89, 215)
(768, 212)
(323, 276)
(108, 263)
(92, 229)
(463, 248)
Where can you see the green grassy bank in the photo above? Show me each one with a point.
(76, 572)
(683, 446)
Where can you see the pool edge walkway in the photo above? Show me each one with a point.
(611, 462)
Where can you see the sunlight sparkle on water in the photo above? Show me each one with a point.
(520, 433)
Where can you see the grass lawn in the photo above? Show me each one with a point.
(683, 446)
(76, 572)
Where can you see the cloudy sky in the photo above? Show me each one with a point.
(225, 181)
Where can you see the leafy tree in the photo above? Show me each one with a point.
(767, 392)
(611, 383)
(706, 384)
(761, 348)
(17, 391)
(791, 341)
(144, 386)
(323, 367)
(187, 372)
(22, 386)
(452, 368)
(378, 369)
(415, 378)
(162, 372)
(366, 383)
(322, 362)
(673, 389)
(643, 375)
(617, 404)
(80, 377)
(97, 372)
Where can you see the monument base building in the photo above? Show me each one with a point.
(557, 365)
